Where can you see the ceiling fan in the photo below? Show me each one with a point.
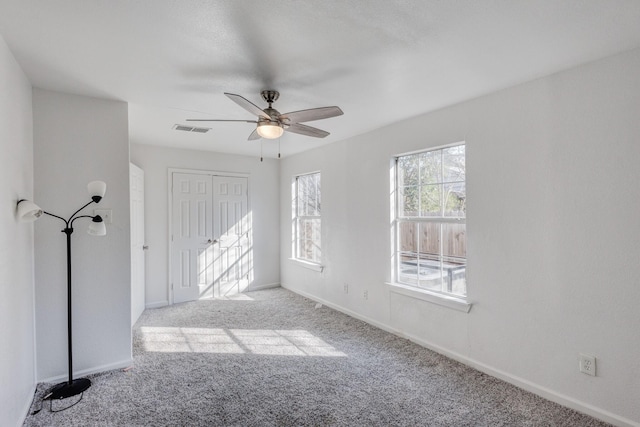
(271, 124)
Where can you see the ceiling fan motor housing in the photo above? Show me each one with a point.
(273, 113)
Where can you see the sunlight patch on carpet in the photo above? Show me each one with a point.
(236, 341)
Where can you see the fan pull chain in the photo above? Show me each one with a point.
(261, 145)
(278, 147)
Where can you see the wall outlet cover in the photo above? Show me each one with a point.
(588, 364)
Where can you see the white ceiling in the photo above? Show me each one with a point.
(381, 61)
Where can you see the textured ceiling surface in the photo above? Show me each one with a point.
(381, 61)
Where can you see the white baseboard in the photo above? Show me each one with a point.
(27, 405)
(157, 304)
(348, 312)
(264, 286)
(527, 385)
(77, 374)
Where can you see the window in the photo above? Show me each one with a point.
(307, 218)
(430, 226)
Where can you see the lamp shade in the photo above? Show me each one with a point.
(270, 129)
(97, 227)
(28, 211)
(97, 190)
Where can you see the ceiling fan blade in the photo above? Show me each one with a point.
(220, 120)
(311, 114)
(247, 105)
(306, 130)
(254, 135)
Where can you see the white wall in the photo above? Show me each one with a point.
(17, 345)
(79, 139)
(553, 234)
(263, 203)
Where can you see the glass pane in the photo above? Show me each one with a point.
(430, 270)
(454, 248)
(302, 195)
(310, 200)
(408, 269)
(453, 164)
(430, 275)
(408, 237)
(318, 193)
(313, 251)
(309, 195)
(409, 199)
(408, 170)
(430, 200)
(431, 167)
(309, 239)
(455, 197)
(454, 240)
(429, 241)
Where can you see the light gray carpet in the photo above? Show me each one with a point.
(275, 359)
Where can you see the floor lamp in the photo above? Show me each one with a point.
(28, 212)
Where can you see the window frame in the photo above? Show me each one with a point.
(450, 299)
(313, 263)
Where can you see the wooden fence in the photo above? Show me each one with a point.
(424, 239)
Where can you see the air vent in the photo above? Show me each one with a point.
(191, 129)
(200, 130)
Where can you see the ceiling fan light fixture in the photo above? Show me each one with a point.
(271, 124)
(269, 129)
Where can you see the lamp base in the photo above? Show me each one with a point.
(68, 389)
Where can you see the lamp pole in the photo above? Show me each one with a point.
(71, 387)
(68, 232)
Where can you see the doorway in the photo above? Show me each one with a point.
(210, 236)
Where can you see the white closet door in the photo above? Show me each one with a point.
(210, 246)
(192, 237)
(232, 255)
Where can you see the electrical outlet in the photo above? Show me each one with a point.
(365, 294)
(588, 364)
(105, 214)
(346, 288)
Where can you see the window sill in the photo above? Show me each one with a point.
(454, 303)
(306, 264)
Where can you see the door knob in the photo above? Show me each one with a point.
(212, 241)
(145, 247)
